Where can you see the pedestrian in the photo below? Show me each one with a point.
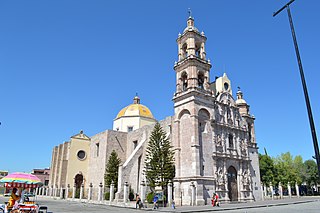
(155, 200)
(216, 200)
(138, 201)
(173, 204)
(213, 199)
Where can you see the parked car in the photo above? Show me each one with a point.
(6, 194)
(29, 194)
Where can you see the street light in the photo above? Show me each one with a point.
(305, 91)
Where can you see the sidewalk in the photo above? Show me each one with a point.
(236, 206)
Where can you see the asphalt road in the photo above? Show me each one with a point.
(283, 206)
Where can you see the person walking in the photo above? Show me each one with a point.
(138, 201)
(216, 200)
(155, 200)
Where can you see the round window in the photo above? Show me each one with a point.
(226, 86)
(81, 154)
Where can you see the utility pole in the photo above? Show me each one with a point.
(304, 85)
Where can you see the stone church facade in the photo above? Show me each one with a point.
(211, 131)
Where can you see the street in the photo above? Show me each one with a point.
(305, 204)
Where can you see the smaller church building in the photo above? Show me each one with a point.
(212, 133)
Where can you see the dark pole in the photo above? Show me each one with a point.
(304, 85)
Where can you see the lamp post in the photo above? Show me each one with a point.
(303, 81)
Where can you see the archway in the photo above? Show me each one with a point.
(232, 184)
(78, 180)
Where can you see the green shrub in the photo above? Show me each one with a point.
(150, 196)
(107, 196)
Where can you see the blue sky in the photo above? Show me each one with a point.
(67, 66)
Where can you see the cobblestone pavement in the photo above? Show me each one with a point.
(303, 204)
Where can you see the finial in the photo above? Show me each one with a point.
(239, 94)
(190, 13)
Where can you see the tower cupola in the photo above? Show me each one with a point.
(241, 103)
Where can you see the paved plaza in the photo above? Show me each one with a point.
(303, 204)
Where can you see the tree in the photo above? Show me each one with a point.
(112, 167)
(311, 177)
(159, 161)
(287, 171)
(267, 169)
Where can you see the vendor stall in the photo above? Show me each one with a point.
(25, 183)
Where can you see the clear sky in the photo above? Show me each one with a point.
(67, 66)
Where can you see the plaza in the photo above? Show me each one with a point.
(305, 204)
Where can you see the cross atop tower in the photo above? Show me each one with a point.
(190, 12)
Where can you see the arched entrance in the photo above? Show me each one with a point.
(232, 184)
(78, 180)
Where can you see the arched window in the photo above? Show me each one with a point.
(230, 141)
(184, 79)
(200, 80)
(184, 50)
(198, 50)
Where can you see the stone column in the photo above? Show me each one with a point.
(265, 190)
(271, 189)
(111, 191)
(177, 154)
(90, 192)
(37, 190)
(100, 192)
(54, 191)
(74, 191)
(262, 194)
(240, 178)
(67, 191)
(119, 179)
(169, 193)
(196, 165)
(225, 181)
(280, 190)
(126, 192)
(81, 191)
(289, 189)
(61, 193)
(297, 190)
(143, 191)
(193, 193)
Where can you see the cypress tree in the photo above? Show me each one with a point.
(111, 173)
(159, 161)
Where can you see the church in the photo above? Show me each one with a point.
(212, 133)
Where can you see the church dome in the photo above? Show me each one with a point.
(135, 109)
(241, 101)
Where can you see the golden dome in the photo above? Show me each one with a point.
(135, 109)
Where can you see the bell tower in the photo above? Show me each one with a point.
(192, 68)
(193, 102)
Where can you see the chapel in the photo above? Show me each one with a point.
(212, 133)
